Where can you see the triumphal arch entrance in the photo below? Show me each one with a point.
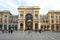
(28, 17)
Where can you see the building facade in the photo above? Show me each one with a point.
(28, 17)
(54, 20)
(4, 16)
(1, 20)
(6, 19)
(13, 22)
(44, 22)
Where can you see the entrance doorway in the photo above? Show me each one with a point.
(36, 26)
(56, 27)
(52, 27)
(21, 26)
(42, 27)
(28, 22)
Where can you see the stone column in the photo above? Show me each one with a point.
(24, 26)
(7, 26)
(43, 28)
(50, 27)
(39, 25)
(46, 27)
(18, 25)
(33, 25)
(3, 22)
(54, 27)
(3, 27)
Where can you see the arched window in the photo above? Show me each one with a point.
(36, 25)
(21, 24)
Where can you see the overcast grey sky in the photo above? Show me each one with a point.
(45, 5)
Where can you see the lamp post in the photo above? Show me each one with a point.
(29, 23)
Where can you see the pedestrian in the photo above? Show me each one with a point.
(39, 30)
(35, 30)
(2, 31)
(28, 30)
(11, 30)
(6, 31)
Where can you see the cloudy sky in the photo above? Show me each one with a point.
(45, 5)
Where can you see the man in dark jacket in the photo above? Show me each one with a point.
(39, 30)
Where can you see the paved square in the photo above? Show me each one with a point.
(23, 35)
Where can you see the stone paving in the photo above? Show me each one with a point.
(23, 35)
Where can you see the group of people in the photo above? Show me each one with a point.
(29, 31)
(36, 30)
(9, 31)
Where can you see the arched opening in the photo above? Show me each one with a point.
(28, 22)
(45, 27)
(52, 27)
(21, 26)
(48, 27)
(0, 27)
(36, 26)
(56, 27)
(41, 27)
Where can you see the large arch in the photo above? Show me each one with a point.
(28, 21)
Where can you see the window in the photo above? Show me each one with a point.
(56, 16)
(52, 16)
(5, 16)
(36, 11)
(59, 16)
(46, 21)
(36, 15)
(52, 21)
(56, 21)
(21, 15)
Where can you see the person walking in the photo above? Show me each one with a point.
(11, 30)
(2, 31)
(40, 31)
(36, 30)
(28, 30)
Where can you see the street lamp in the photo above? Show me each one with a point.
(29, 23)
